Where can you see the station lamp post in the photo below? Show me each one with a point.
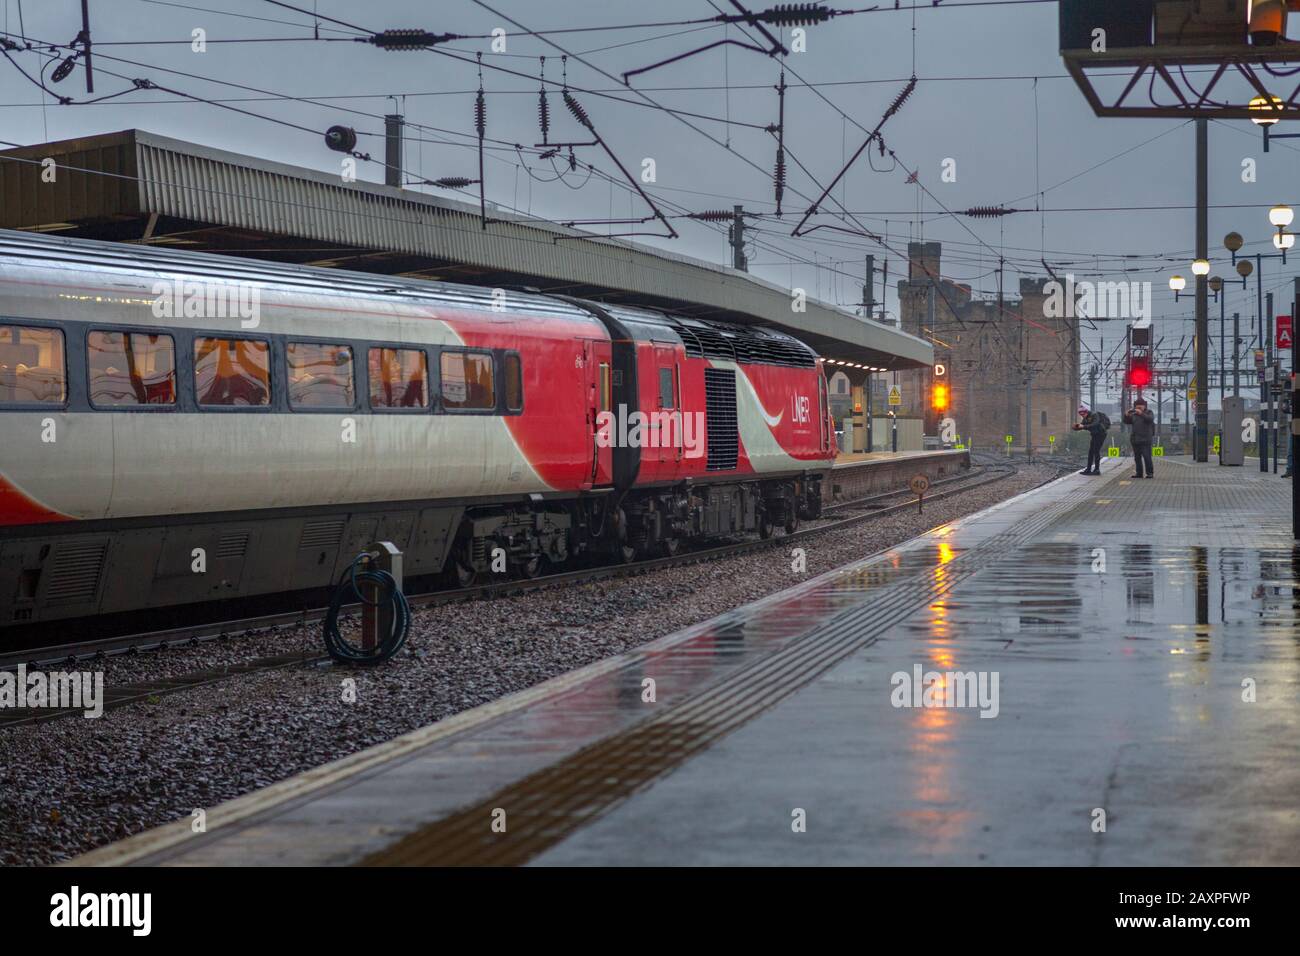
(1279, 217)
(1266, 106)
(1201, 408)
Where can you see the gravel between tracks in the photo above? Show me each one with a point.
(70, 785)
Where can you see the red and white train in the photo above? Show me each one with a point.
(177, 428)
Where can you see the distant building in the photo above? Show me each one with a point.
(990, 353)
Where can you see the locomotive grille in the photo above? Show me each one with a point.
(320, 534)
(75, 573)
(720, 418)
(233, 545)
(747, 345)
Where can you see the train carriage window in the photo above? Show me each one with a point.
(666, 388)
(399, 378)
(467, 380)
(320, 375)
(131, 368)
(232, 372)
(513, 372)
(606, 388)
(31, 366)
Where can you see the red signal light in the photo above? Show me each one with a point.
(1139, 373)
(939, 398)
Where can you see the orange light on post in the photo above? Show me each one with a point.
(1267, 21)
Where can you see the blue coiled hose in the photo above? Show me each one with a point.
(356, 575)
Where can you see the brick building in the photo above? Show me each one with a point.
(989, 355)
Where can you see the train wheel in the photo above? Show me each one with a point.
(533, 567)
(670, 546)
(627, 553)
(791, 521)
(765, 527)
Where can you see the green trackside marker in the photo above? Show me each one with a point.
(1112, 452)
(1051, 440)
(1159, 451)
(1216, 444)
(1008, 439)
(959, 447)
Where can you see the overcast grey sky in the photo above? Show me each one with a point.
(993, 96)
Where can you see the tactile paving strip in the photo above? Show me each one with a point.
(543, 808)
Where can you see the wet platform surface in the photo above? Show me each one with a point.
(1141, 637)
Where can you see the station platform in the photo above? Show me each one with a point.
(1144, 640)
(859, 474)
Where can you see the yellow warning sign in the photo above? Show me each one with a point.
(895, 396)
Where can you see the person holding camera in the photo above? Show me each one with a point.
(1143, 421)
(1096, 425)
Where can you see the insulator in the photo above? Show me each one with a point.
(454, 182)
(712, 215)
(778, 176)
(795, 14)
(407, 39)
(543, 114)
(987, 212)
(63, 69)
(480, 114)
(578, 112)
(901, 98)
(341, 139)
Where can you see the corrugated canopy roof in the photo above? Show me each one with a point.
(135, 186)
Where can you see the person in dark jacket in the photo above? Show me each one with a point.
(1143, 421)
(1096, 428)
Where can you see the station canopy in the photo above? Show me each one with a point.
(135, 186)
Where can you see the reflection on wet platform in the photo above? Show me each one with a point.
(1147, 670)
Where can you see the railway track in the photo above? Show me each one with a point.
(71, 656)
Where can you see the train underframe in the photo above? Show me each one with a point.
(644, 523)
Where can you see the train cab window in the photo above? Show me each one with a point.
(232, 372)
(666, 388)
(320, 375)
(467, 380)
(399, 378)
(131, 368)
(513, 373)
(31, 366)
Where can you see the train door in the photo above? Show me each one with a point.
(665, 431)
(827, 426)
(597, 378)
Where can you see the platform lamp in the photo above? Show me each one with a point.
(1220, 296)
(1269, 107)
(1178, 284)
(1280, 217)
